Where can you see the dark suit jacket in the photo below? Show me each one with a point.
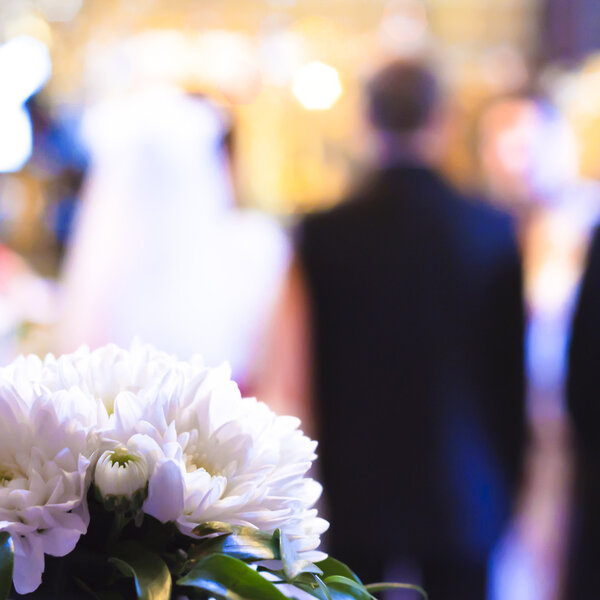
(583, 396)
(418, 344)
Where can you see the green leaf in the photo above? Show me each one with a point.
(151, 574)
(323, 587)
(245, 543)
(330, 566)
(7, 560)
(342, 588)
(380, 587)
(230, 579)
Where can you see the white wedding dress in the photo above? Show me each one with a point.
(159, 251)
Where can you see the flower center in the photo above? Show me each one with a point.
(122, 457)
(198, 460)
(6, 476)
(193, 463)
(195, 457)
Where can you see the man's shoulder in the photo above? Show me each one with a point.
(432, 197)
(346, 209)
(368, 196)
(595, 240)
(592, 260)
(471, 217)
(478, 213)
(349, 213)
(486, 236)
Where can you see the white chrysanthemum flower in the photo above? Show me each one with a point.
(43, 465)
(215, 456)
(101, 378)
(211, 455)
(121, 473)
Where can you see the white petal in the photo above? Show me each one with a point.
(29, 563)
(127, 413)
(59, 542)
(147, 447)
(165, 492)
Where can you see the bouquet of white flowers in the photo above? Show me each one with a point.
(130, 474)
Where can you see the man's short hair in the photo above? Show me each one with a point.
(402, 97)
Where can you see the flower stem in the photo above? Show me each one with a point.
(119, 523)
(374, 588)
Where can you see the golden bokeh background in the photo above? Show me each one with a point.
(246, 54)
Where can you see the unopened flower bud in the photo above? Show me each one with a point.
(121, 474)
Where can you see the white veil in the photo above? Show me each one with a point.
(159, 251)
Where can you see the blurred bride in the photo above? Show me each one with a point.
(159, 250)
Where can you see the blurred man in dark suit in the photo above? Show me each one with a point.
(583, 396)
(404, 313)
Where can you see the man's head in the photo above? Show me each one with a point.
(402, 97)
(403, 101)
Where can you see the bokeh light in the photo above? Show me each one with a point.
(24, 68)
(317, 86)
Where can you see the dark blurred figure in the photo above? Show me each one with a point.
(583, 396)
(413, 296)
(529, 157)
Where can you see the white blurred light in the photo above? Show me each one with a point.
(16, 138)
(317, 86)
(24, 68)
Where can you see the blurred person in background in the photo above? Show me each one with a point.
(400, 333)
(529, 158)
(528, 153)
(159, 250)
(530, 163)
(583, 395)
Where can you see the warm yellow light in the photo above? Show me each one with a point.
(317, 86)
